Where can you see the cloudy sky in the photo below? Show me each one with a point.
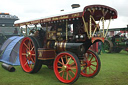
(28, 10)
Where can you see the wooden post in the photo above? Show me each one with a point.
(26, 29)
(36, 26)
(90, 26)
(85, 27)
(103, 26)
(66, 30)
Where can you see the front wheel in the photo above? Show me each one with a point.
(90, 64)
(67, 67)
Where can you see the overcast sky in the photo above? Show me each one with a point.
(35, 9)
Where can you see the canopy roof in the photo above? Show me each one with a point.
(97, 11)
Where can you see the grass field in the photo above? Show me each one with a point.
(114, 71)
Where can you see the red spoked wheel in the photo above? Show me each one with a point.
(90, 64)
(29, 55)
(67, 67)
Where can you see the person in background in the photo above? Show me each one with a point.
(99, 47)
(99, 44)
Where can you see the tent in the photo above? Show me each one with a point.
(9, 52)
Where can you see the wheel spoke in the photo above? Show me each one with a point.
(33, 54)
(67, 75)
(27, 50)
(74, 67)
(26, 63)
(89, 70)
(32, 48)
(63, 74)
(62, 60)
(32, 60)
(24, 54)
(31, 66)
(72, 63)
(73, 72)
(91, 58)
(92, 69)
(94, 65)
(61, 71)
(83, 64)
(26, 46)
(59, 67)
(27, 58)
(29, 44)
(93, 61)
(83, 68)
(68, 60)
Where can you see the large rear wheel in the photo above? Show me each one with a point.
(90, 64)
(67, 67)
(29, 55)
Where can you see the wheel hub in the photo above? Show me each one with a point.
(28, 54)
(88, 63)
(64, 68)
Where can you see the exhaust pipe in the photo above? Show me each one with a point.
(8, 67)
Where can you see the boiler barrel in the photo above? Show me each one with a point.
(61, 46)
(77, 48)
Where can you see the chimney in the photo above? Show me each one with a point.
(62, 10)
(75, 6)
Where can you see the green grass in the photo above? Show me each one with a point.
(114, 71)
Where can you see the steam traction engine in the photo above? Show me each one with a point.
(63, 41)
(116, 43)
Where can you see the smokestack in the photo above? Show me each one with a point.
(75, 6)
(62, 10)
